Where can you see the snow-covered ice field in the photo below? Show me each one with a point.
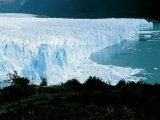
(59, 49)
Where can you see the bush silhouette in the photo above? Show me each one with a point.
(73, 85)
(44, 82)
(18, 89)
(121, 84)
(15, 79)
(94, 83)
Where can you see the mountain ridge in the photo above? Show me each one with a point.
(84, 8)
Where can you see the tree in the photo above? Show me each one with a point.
(44, 82)
(73, 84)
(16, 80)
(121, 84)
(94, 83)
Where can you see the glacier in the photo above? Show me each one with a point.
(59, 49)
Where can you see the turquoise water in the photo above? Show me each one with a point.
(144, 54)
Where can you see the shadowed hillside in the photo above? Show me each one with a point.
(86, 8)
(92, 100)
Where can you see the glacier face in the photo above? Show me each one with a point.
(59, 49)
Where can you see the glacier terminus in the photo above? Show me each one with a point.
(59, 49)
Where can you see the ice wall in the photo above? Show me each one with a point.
(59, 49)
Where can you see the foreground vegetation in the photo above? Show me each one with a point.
(93, 100)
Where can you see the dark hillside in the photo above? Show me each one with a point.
(87, 8)
(93, 100)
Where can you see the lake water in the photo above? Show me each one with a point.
(143, 53)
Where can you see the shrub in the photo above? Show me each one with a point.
(121, 84)
(15, 79)
(94, 83)
(18, 89)
(73, 84)
(44, 82)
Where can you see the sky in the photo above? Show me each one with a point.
(84, 8)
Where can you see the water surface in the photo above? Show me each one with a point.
(143, 53)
